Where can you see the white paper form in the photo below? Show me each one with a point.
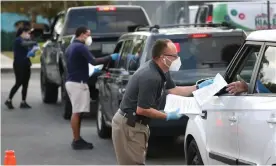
(204, 94)
(187, 105)
(92, 68)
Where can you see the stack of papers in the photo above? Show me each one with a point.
(192, 105)
(92, 68)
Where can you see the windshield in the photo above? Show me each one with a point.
(105, 21)
(202, 53)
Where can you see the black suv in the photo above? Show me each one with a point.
(107, 24)
(204, 52)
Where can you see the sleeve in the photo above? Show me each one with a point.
(148, 88)
(91, 59)
(170, 83)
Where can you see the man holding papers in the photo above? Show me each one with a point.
(78, 56)
(130, 131)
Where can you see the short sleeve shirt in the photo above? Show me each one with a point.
(146, 87)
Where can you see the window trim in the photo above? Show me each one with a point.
(233, 66)
(253, 84)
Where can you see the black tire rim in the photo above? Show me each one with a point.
(42, 84)
(196, 160)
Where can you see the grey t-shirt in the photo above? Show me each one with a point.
(145, 88)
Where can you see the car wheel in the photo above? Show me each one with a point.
(66, 101)
(49, 91)
(193, 154)
(103, 130)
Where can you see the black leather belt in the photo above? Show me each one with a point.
(133, 118)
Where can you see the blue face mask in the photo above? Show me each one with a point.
(261, 88)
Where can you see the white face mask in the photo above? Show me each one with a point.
(27, 36)
(175, 65)
(88, 41)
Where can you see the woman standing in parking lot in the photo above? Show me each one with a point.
(22, 65)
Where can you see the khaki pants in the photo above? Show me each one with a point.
(130, 143)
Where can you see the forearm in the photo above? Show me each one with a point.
(183, 90)
(151, 113)
(98, 61)
(28, 43)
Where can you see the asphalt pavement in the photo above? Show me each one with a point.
(41, 136)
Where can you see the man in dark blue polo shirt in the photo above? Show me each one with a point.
(78, 56)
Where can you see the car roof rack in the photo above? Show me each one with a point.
(155, 28)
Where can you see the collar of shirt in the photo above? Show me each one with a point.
(160, 71)
(77, 41)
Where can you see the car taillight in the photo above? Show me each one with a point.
(177, 47)
(209, 19)
(199, 35)
(106, 9)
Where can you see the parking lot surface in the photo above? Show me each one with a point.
(41, 136)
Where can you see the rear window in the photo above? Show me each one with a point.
(105, 21)
(210, 52)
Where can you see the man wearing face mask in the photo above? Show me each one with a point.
(130, 131)
(22, 65)
(78, 56)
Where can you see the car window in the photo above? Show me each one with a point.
(124, 53)
(206, 53)
(138, 47)
(202, 15)
(99, 22)
(266, 80)
(247, 63)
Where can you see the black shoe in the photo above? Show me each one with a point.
(81, 144)
(9, 104)
(24, 105)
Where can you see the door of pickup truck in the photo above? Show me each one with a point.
(52, 51)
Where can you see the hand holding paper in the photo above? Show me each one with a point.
(205, 83)
(204, 94)
(94, 69)
(174, 115)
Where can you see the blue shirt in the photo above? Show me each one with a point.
(20, 53)
(78, 56)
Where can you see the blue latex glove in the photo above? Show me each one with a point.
(261, 88)
(115, 56)
(96, 70)
(31, 54)
(205, 83)
(174, 115)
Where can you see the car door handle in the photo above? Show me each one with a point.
(271, 121)
(232, 118)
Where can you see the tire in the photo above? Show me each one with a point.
(49, 91)
(103, 130)
(193, 154)
(66, 101)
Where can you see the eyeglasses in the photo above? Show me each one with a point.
(172, 55)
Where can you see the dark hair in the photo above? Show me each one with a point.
(81, 30)
(21, 30)
(159, 47)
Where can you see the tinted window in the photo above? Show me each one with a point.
(202, 53)
(125, 51)
(202, 15)
(104, 21)
(133, 64)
